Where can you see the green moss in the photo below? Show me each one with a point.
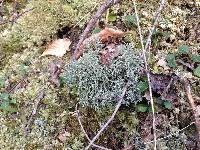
(41, 23)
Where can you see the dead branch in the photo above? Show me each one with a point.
(110, 119)
(145, 59)
(104, 35)
(92, 22)
(34, 111)
(17, 84)
(82, 128)
(15, 17)
(195, 109)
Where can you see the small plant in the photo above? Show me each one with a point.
(100, 85)
(6, 104)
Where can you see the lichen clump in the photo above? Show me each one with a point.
(100, 85)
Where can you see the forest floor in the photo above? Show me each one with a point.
(38, 110)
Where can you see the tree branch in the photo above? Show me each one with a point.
(34, 111)
(92, 22)
(195, 108)
(82, 128)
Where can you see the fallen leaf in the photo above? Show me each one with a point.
(63, 136)
(57, 48)
(164, 85)
(108, 54)
(108, 32)
(104, 35)
(147, 96)
(55, 69)
(162, 63)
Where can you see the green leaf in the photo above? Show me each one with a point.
(167, 104)
(155, 31)
(23, 69)
(171, 60)
(195, 58)
(96, 30)
(166, 34)
(197, 71)
(13, 101)
(4, 105)
(130, 20)
(2, 82)
(141, 108)
(183, 49)
(142, 86)
(4, 96)
(112, 17)
(11, 109)
(150, 109)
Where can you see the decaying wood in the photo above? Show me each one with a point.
(92, 22)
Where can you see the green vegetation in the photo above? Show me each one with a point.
(23, 73)
(100, 85)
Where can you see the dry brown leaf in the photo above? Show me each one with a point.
(108, 54)
(165, 85)
(147, 95)
(161, 62)
(109, 32)
(63, 136)
(103, 35)
(57, 48)
(55, 69)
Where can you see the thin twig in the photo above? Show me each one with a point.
(34, 111)
(159, 139)
(92, 22)
(195, 108)
(13, 88)
(145, 59)
(167, 88)
(85, 16)
(12, 20)
(82, 128)
(110, 119)
(185, 64)
(158, 12)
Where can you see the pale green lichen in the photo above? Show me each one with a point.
(100, 85)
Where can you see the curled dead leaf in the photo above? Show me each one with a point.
(109, 32)
(108, 54)
(57, 48)
(162, 63)
(103, 35)
(55, 69)
(63, 136)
